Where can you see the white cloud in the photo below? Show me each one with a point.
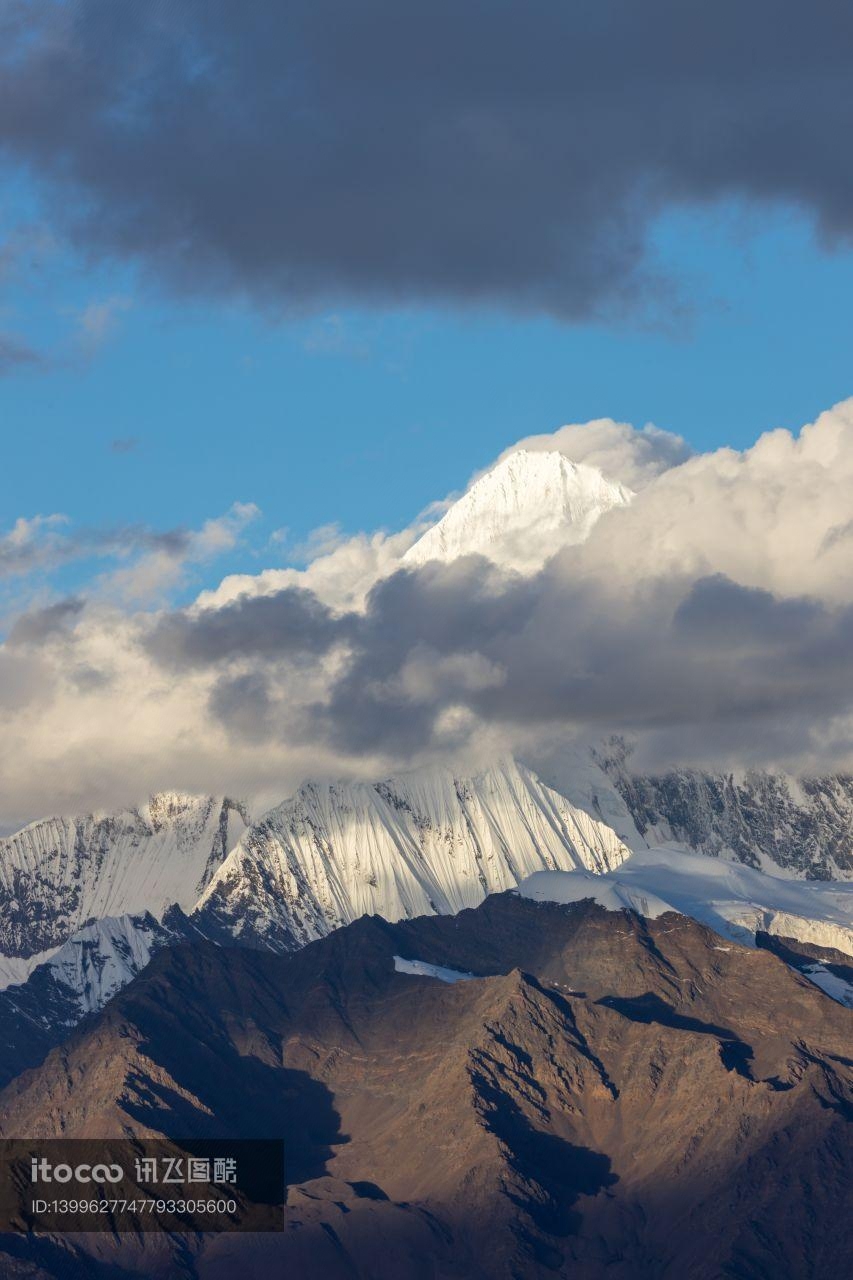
(342, 572)
(776, 516)
(33, 543)
(713, 616)
(620, 451)
(164, 566)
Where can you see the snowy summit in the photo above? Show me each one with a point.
(521, 511)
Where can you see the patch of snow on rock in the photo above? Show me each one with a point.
(420, 969)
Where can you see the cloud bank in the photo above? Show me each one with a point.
(712, 620)
(617, 449)
(472, 153)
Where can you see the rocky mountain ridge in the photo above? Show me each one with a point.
(598, 1094)
(772, 821)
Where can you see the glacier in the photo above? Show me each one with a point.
(422, 969)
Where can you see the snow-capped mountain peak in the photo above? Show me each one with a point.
(524, 509)
(59, 874)
(421, 843)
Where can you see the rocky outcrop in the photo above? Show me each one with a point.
(803, 826)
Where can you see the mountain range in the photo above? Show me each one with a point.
(432, 841)
(60, 874)
(524, 1089)
(615, 1007)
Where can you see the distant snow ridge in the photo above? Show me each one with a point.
(100, 959)
(425, 843)
(95, 962)
(77, 979)
(59, 874)
(522, 511)
(732, 899)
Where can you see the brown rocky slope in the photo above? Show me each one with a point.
(608, 1097)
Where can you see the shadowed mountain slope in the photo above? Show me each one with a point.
(606, 1096)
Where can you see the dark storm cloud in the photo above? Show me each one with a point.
(719, 611)
(471, 152)
(44, 543)
(725, 663)
(286, 624)
(467, 604)
(39, 625)
(463, 609)
(571, 654)
(244, 704)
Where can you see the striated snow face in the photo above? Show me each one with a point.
(424, 843)
(61, 873)
(522, 511)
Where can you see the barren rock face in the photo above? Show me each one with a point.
(606, 1096)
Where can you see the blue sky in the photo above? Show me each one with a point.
(296, 256)
(324, 261)
(362, 417)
